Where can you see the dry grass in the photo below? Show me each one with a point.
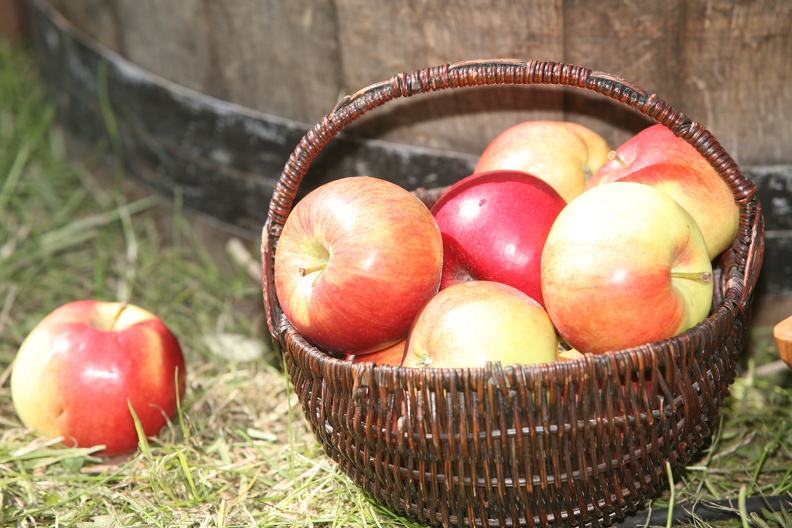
(239, 453)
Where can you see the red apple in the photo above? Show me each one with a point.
(624, 265)
(494, 226)
(83, 365)
(356, 260)
(561, 153)
(656, 157)
(471, 323)
(391, 355)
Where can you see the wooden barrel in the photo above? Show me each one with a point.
(244, 79)
(727, 64)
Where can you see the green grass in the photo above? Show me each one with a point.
(239, 452)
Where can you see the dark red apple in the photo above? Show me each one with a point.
(494, 226)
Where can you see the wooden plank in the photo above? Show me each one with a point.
(13, 20)
(379, 39)
(169, 39)
(634, 40)
(277, 57)
(774, 184)
(737, 75)
(96, 19)
(726, 64)
(222, 159)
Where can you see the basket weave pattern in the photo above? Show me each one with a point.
(572, 443)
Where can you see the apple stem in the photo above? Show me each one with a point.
(615, 157)
(306, 271)
(704, 277)
(117, 315)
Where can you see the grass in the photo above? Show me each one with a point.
(239, 452)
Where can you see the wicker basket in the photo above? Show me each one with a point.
(572, 443)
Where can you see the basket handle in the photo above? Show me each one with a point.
(755, 252)
(481, 73)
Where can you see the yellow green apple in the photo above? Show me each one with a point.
(562, 153)
(623, 265)
(471, 323)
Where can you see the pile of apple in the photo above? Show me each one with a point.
(555, 246)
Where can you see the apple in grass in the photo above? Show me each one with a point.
(494, 226)
(625, 265)
(471, 323)
(356, 260)
(657, 157)
(562, 153)
(79, 371)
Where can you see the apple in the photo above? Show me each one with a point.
(391, 355)
(81, 368)
(471, 323)
(356, 260)
(494, 226)
(561, 153)
(625, 265)
(656, 157)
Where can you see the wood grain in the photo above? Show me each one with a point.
(635, 40)
(727, 64)
(378, 39)
(737, 75)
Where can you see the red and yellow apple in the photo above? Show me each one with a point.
(356, 260)
(624, 265)
(471, 323)
(562, 153)
(392, 355)
(81, 368)
(656, 157)
(494, 226)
